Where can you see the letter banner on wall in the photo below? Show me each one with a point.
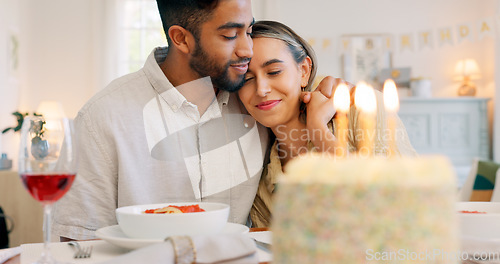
(425, 39)
(485, 28)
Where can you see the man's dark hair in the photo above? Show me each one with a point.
(189, 14)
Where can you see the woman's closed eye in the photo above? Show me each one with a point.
(276, 72)
(249, 78)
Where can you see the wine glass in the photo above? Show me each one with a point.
(47, 165)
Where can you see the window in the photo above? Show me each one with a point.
(140, 31)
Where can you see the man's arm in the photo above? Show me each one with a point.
(91, 202)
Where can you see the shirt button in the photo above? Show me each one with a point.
(174, 107)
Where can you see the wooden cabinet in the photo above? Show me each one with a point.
(455, 127)
(26, 212)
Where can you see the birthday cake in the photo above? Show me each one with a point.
(371, 210)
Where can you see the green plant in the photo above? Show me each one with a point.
(39, 147)
(20, 118)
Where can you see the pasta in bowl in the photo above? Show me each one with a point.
(158, 221)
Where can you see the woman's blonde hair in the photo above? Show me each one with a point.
(299, 48)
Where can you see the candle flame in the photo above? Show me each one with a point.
(342, 98)
(364, 98)
(391, 100)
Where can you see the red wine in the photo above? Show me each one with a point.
(47, 188)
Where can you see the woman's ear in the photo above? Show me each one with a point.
(305, 69)
(181, 38)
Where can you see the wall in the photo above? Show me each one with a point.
(67, 53)
(64, 50)
(61, 51)
(56, 53)
(331, 19)
(9, 70)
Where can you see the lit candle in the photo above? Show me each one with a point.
(366, 103)
(391, 103)
(342, 102)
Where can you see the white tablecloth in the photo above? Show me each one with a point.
(102, 250)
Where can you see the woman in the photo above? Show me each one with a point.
(282, 68)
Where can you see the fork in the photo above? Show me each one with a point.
(81, 252)
(265, 246)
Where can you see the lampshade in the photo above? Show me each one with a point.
(467, 68)
(51, 109)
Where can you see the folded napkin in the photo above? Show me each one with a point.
(227, 249)
(6, 254)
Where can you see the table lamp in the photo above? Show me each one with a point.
(51, 109)
(467, 70)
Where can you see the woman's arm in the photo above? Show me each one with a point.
(320, 111)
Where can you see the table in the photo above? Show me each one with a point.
(17, 259)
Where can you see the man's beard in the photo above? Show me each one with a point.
(206, 66)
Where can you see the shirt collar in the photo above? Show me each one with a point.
(223, 97)
(161, 84)
(153, 71)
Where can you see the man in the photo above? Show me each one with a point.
(171, 132)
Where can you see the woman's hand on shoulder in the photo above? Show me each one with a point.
(327, 87)
(320, 106)
(320, 110)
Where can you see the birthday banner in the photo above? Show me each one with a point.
(424, 39)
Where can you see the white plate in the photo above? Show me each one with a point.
(114, 235)
(480, 226)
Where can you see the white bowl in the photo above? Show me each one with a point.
(137, 224)
(482, 226)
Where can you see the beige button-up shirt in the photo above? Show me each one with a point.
(142, 141)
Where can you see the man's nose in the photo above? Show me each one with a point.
(244, 47)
